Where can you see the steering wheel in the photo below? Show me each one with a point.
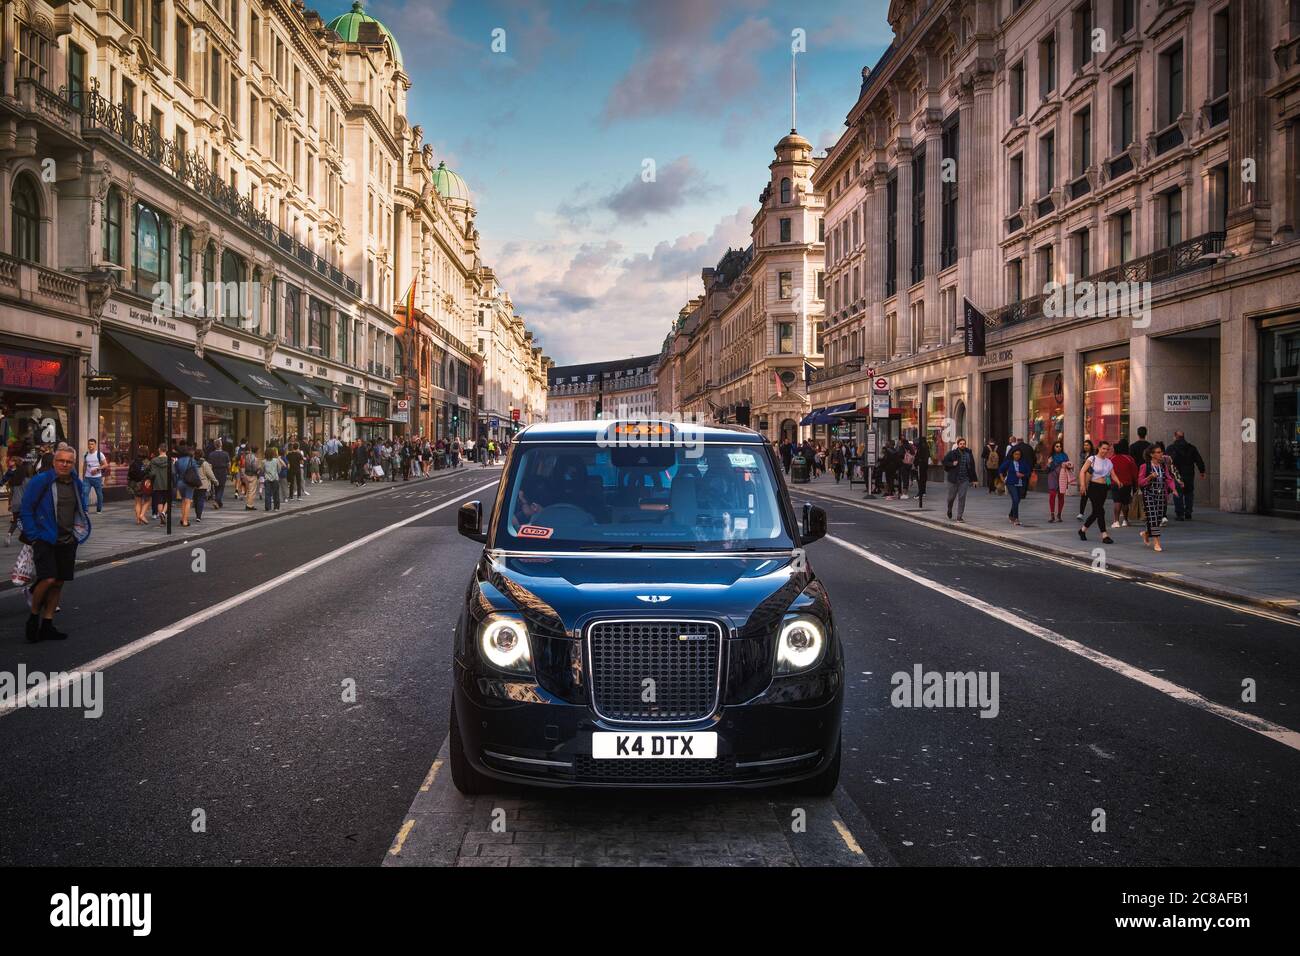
(563, 513)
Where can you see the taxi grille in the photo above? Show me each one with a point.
(681, 657)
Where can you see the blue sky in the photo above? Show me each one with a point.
(552, 135)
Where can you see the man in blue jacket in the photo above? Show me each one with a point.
(54, 522)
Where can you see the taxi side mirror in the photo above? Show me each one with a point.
(814, 523)
(469, 521)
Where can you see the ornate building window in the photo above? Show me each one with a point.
(26, 219)
(152, 255)
(234, 274)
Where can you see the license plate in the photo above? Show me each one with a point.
(619, 746)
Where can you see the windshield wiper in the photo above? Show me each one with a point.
(637, 547)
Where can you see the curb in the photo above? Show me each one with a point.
(6, 585)
(1168, 579)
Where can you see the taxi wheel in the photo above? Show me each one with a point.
(467, 780)
(824, 784)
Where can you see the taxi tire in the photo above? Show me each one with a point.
(824, 784)
(466, 779)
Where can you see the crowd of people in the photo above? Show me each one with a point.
(1135, 482)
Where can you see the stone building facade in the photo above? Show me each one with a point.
(1022, 154)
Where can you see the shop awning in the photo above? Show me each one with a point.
(812, 417)
(258, 380)
(837, 411)
(184, 371)
(313, 393)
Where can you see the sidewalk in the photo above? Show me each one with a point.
(115, 535)
(1252, 559)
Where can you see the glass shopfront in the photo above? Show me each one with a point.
(936, 419)
(37, 404)
(219, 423)
(908, 424)
(1046, 409)
(1106, 395)
(1279, 439)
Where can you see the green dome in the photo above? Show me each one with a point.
(348, 26)
(449, 184)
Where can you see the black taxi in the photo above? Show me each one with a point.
(644, 615)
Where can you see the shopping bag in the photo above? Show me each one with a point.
(1033, 480)
(24, 572)
(1136, 508)
(379, 471)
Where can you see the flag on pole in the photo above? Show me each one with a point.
(778, 384)
(974, 328)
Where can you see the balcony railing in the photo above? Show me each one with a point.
(1080, 187)
(1045, 207)
(1121, 164)
(1168, 138)
(1015, 224)
(1219, 111)
(1176, 260)
(191, 170)
(835, 371)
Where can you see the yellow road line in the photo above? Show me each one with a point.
(428, 780)
(402, 834)
(846, 836)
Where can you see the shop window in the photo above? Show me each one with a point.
(26, 219)
(111, 244)
(1106, 400)
(935, 420)
(1046, 411)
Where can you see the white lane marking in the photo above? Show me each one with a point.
(157, 637)
(1079, 565)
(408, 571)
(1259, 725)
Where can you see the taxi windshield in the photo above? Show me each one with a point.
(584, 496)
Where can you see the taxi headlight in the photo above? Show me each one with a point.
(504, 641)
(801, 643)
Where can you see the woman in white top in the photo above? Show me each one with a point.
(1095, 478)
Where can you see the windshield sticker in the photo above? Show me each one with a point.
(535, 531)
(742, 460)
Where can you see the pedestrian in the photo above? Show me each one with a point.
(313, 467)
(959, 464)
(992, 461)
(1095, 478)
(1059, 470)
(251, 468)
(219, 460)
(1138, 449)
(787, 455)
(272, 466)
(207, 482)
(1088, 451)
(160, 480)
(1187, 461)
(1157, 482)
(295, 459)
(17, 473)
(55, 522)
(906, 459)
(1125, 481)
(138, 482)
(187, 481)
(1015, 472)
(837, 461)
(94, 468)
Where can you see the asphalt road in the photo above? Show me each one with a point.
(245, 715)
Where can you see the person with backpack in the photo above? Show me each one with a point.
(208, 477)
(992, 461)
(250, 467)
(160, 480)
(295, 459)
(93, 468)
(139, 483)
(921, 462)
(906, 461)
(54, 523)
(187, 481)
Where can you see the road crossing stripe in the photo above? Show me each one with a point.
(199, 617)
(1259, 725)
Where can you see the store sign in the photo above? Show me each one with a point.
(494, 423)
(33, 372)
(514, 414)
(1187, 401)
(97, 386)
